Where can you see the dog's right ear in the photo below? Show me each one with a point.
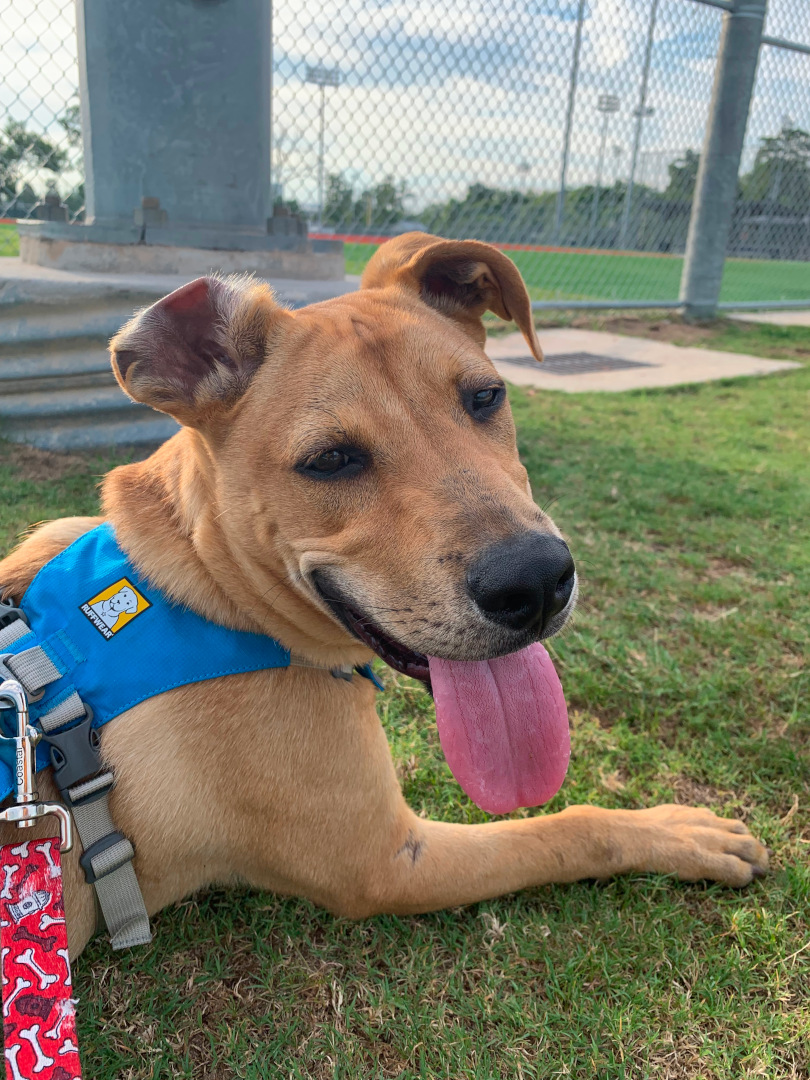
(197, 349)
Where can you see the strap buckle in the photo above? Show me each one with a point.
(9, 613)
(106, 843)
(27, 809)
(75, 759)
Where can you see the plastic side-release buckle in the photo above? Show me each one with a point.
(75, 757)
(9, 613)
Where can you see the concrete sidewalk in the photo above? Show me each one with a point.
(665, 364)
(776, 318)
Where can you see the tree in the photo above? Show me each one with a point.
(337, 208)
(383, 205)
(781, 172)
(22, 153)
(71, 123)
(683, 177)
(378, 207)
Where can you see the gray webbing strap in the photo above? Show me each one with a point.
(11, 633)
(116, 884)
(107, 853)
(72, 708)
(33, 668)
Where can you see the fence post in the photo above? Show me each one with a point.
(716, 188)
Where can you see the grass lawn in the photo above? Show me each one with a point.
(553, 275)
(9, 240)
(687, 679)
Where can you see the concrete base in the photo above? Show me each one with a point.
(190, 262)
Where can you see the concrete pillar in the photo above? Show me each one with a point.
(175, 103)
(176, 107)
(716, 188)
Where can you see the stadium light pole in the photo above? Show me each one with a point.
(640, 114)
(569, 116)
(608, 104)
(322, 77)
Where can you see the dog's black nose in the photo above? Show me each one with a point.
(522, 581)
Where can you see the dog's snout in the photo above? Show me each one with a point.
(523, 581)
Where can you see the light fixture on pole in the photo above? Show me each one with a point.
(607, 105)
(323, 77)
(640, 113)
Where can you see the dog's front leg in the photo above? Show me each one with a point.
(434, 865)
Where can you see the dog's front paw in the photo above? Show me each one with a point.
(696, 844)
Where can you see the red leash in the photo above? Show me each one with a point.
(39, 1020)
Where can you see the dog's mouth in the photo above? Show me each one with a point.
(503, 723)
(402, 659)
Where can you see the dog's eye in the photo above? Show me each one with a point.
(334, 462)
(484, 401)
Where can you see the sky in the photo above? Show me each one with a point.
(442, 95)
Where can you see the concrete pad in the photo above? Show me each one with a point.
(671, 365)
(776, 318)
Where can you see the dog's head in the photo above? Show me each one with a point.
(365, 449)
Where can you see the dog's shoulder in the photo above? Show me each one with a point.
(42, 544)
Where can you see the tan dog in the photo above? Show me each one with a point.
(346, 474)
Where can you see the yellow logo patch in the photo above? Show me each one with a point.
(114, 607)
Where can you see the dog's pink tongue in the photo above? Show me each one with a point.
(503, 726)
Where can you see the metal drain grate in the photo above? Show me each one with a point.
(575, 363)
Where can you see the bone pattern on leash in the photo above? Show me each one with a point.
(21, 850)
(11, 1058)
(8, 873)
(45, 978)
(3, 954)
(45, 848)
(20, 985)
(31, 1035)
(37, 1011)
(64, 954)
(46, 920)
(44, 943)
(56, 1030)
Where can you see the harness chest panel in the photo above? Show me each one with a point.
(117, 641)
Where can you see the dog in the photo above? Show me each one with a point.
(346, 481)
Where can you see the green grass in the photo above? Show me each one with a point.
(686, 673)
(553, 275)
(9, 240)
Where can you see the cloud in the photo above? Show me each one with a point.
(443, 95)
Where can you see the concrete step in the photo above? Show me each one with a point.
(147, 430)
(67, 419)
(55, 368)
(34, 324)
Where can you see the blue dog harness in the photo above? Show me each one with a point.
(95, 639)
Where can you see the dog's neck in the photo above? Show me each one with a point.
(167, 514)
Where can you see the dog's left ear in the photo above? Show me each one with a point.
(460, 278)
(196, 350)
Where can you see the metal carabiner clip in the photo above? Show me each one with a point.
(27, 810)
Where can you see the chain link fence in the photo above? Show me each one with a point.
(567, 131)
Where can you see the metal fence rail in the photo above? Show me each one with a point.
(570, 130)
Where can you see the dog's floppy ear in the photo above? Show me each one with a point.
(460, 278)
(197, 348)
